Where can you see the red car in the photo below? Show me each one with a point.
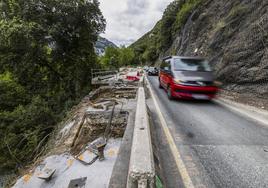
(187, 78)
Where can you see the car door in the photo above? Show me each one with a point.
(166, 71)
(162, 73)
(169, 75)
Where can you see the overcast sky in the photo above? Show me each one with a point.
(128, 20)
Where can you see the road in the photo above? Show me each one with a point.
(218, 147)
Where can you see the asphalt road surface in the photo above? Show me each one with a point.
(219, 148)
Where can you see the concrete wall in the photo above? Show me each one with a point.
(141, 168)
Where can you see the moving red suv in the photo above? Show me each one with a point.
(187, 77)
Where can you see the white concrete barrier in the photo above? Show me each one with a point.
(141, 168)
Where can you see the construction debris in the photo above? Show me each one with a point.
(108, 77)
(87, 157)
(68, 168)
(100, 147)
(133, 76)
(94, 126)
(93, 130)
(78, 183)
(47, 173)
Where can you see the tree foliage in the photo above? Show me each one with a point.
(46, 54)
(118, 57)
(168, 20)
(160, 38)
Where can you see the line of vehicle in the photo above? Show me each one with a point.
(174, 150)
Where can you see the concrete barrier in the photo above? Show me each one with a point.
(141, 168)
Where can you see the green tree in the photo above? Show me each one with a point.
(118, 57)
(46, 54)
(110, 58)
(168, 20)
(127, 56)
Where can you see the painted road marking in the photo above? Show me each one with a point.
(174, 150)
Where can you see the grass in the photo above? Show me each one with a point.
(220, 25)
(236, 11)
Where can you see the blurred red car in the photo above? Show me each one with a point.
(187, 78)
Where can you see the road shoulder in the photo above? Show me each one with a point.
(251, 112)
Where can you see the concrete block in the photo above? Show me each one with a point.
(47, 173)
(141, 169)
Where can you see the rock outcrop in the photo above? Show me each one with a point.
(102, 44)
(233, 35)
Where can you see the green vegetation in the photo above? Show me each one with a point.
(227, 25)
(118, 57)
(46, 54)
(168, 20)
(236, 12)
(160, 38)
(183, 13)
(147, 48)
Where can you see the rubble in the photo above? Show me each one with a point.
(94, 127)
(88, 157)
(78, 183)
(47, 173)
(94, 130)
(68, 168)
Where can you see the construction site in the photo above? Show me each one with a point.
(98, 145)
(127, 133)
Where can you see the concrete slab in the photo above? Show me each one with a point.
(67, 168)
(47, 173)
(87, 157)
(78, 183)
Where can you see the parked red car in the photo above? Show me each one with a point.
(187, 78)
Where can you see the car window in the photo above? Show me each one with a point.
(191, 65)
(166, 65)
(162, 65)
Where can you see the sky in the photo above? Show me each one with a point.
(128, 20)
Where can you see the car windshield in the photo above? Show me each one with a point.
(192, 65)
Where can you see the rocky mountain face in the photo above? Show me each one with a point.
(232, 34)
(102, 44)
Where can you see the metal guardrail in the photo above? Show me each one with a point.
(141, 168)
(100, 76)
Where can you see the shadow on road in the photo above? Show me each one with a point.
(194, 101)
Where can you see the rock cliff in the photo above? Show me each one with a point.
(232, 34)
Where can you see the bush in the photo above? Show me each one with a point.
(12, 94)
(21, 131)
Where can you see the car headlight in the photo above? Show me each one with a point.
(177, 81)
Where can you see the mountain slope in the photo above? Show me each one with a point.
(232, 34)
(102, 44)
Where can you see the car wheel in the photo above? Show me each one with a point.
(169, 94)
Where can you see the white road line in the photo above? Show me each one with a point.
(174, 150)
